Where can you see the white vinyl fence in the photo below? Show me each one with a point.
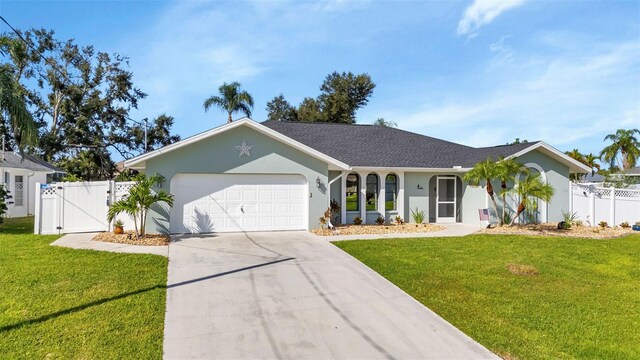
(593, 204)
(73, 207)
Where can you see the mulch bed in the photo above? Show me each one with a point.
(551, 229)
(129, 237)
(378, 229)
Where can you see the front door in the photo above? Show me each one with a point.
(446, 199)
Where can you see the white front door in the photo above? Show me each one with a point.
(446, 199)
(206, 203)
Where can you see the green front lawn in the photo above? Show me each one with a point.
(584, 303)
(63, 303)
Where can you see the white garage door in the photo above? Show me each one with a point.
(206, 203)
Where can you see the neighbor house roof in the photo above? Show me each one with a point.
(27, 162)
(635, 171)
(381, 146)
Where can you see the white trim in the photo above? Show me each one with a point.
(136, 161)
(564, 157)
(455, 199)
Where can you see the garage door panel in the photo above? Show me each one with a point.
(234, 202)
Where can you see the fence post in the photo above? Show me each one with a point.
(570, 197)
(592, 207)
(36, 209)
(613, 207)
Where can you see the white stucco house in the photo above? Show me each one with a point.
(19, 174)
(250, 176)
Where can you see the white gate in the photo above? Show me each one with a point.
(73, 207)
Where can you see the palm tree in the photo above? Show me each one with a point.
(507, 171)
(231, 100)
(624, 143)
(14, 108)
(485, 170)
(140, 199)
(590, 161)
(530, 188)
(576, 154)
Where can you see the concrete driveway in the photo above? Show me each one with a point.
(290, 295)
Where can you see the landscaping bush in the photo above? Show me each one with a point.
(603, 224)
(380, 220)
(625, 225)
(357, 220)
(399, 220)
(418, 216)
(3, 205)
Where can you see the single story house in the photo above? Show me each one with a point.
(250, 176)
(18, 175)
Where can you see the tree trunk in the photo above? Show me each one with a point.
(625, 160)
(492, 195)
(503, 185)
(520, 210)
(229, 120)
(135, 226)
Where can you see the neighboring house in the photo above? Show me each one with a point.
(19, 174)
(249, 176)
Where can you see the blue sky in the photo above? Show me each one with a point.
(475, 72)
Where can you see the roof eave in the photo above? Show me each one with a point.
(574, 165)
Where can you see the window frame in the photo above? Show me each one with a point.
(357, 192)
(376, 193)
(394, 193)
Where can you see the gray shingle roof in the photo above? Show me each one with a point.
(29, 162)
(633, 171)
(379, 146)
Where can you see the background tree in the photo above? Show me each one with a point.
(383, 122)
(343, 94)
(158, 134)
(16, 119)
(591, 161)
(279, 109)
(80, 100)
(231, 99)
(529, 189)
(624, 145)
(310, 110)
(485, 170)
(3, 204)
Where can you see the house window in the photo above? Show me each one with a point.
(7, 180)
(18, 191)
(353, 192)
(372, 192)
(391, 192)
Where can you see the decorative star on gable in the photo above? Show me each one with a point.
(244, 149)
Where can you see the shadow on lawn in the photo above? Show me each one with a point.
(130, 293)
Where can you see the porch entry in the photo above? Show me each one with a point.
(446, 199)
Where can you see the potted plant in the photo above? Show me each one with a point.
(118, 227)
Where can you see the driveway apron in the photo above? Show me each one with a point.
(290, 295)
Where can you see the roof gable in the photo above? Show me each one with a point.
(27, 162)
(139, 162)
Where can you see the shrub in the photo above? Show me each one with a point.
(418, 216)
(3, 205)
(625, 225)
(335, 211)
(569, 219)
(578, 223)
(603, 224)
(380, 220)
(399, 220)
(357, 220)
(118, 223)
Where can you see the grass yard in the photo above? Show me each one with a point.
(583, 303)
(63, 303)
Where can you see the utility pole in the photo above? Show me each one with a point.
(145, 134)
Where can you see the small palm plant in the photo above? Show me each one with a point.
(532, 187)
(140, 199)
(231, 100)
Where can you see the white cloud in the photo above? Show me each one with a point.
(483, 12)
(562, 99)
